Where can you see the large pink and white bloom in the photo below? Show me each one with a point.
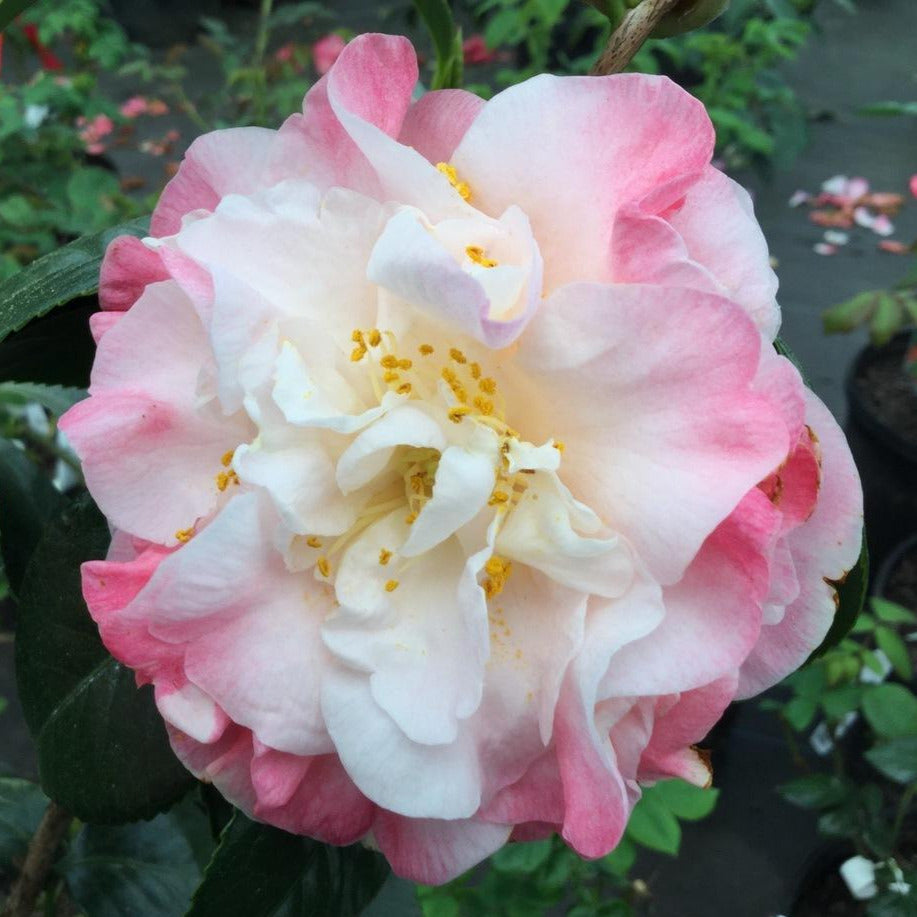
(456, 485)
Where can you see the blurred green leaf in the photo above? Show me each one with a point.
(260, 871)
(891, 710)
(890, 108)
(799, 712)
(523, 857)
(897, 759)
(102, 747)
(68, 273)
(22, 805)
(891, 612)
(10, 9)
(890, 642)
(815, 791)
(653, 825)
(56, 398)
(685, 800)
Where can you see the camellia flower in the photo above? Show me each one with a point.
(456, 485)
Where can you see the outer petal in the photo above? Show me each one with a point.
(664, 436)
(128, 268)
(823, 550)
(571, 151)
(437, 121)
(150, 444)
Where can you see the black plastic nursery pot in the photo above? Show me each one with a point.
(821, 891)
(897, 577)
(882, 431)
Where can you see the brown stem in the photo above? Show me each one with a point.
(38, 862)
(627, 38)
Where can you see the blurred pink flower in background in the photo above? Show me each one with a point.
(326, 51)
(913, 185)
(475, 50)
(93, 130)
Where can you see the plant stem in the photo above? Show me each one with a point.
(901, 814)
(261, 39)
(38, 862)
(628, 37)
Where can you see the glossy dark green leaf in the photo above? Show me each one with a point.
(28, 501)
(66, 274)
(56, 349)
(815, 791)
(102, 746)
(259, 871)
(22, 805)
(144, 868)
(851, 593)
(684, 800)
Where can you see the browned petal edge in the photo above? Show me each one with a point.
(705, 758)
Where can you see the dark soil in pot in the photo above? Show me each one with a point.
(883, 436)
(897, 580)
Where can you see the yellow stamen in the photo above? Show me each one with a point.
(375, 338)
(313, 541)
(404, 388)
(418, 482)
(410, 519)
(390, 376)
(484, 405)
(226, 460)
(457, 355)
(225, 478)
(384, 556)
(475, 370)
(405, 364)
(498, 497)
(476, 254)
(184, 535)
(488, 385)
(458, 412)
(425, 350)
(389, 361)
(463, 189)
(559, 446)
(391, 585)
(358, 353)
(356, 336)
(323, 567)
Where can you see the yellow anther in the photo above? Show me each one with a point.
(498, 497)
(496, 565)
(457, 355)
(475, 370)
(410, 518)
(225, 478)
(457, 413)
(323, 567)
(405, 364)
(488, 385)
(356, 336)
(559, 446)
(449, 375)
(463, 189)
(418, 482)
(476, 254)
(358, 353)
(374, 338)
(425, 349)
(391, 585)
(184, 535)
(384, 557)
(226, 460)
(404, 388)
(390, 376)
(484, 405)
(314, 541)
(389, 361)
(498, 570)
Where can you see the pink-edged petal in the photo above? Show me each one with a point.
(435, 124)
(127, 268)
(228, 600)
(309, 795)
(433, 851)
(794, 487)
(823, 550)
(150, 445)
(571, 151)
(663, 437)
(680, 722)
(100, 322)
(230, 161)
(712, 615)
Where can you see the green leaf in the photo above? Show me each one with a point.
(851, 313)
(56, 398)
(887, 320)
(28, 501)
(799, 712)
(143, 868)
(68, 273)
(890, 108)
(891, 710)
(838, 702)
(685, 800)
(890, 642)
(102, 747)
(897, 759)
(10, 9)
(22, 805)
(261, 871)
(851, 593)
(891, 612)
(816, 791)
(437, 16)
(653, 825)
(784, 350)
(621, 859)
(522, 857)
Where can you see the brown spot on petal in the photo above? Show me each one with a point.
(703, 755)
